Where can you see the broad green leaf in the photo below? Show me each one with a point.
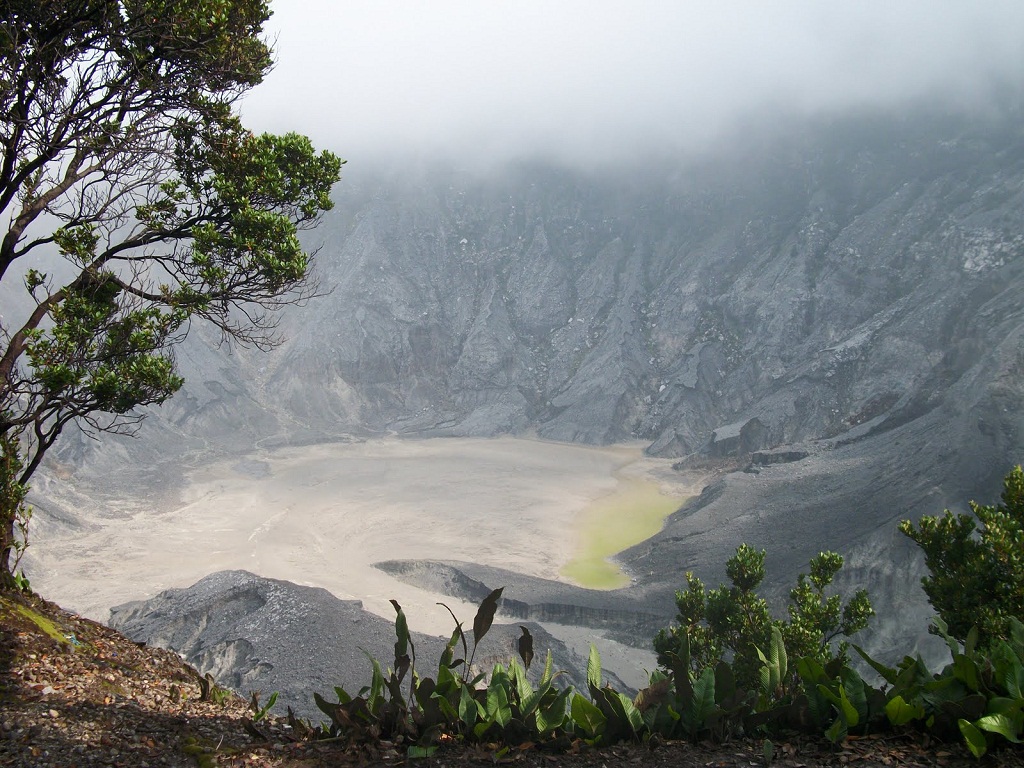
(900, 712)
(415, 751)
(765, 675)
(533, 700)
(633, 716)
(469, 709)
(376, 688)
(545, 677)
(819, 706)
(498, 708)
(810, 670)
(848, 708)
(1001, 705)
(552, 715)
(481, 728)
(447, 681)
(971, 643)
(1000, 724)
(703, 703)
(837, 731)
(586, 716)
(779, 659)
(1013, 680)
(1017, 637)
(847, 711)
(831, 695)
(856, 691)
(966, 671)
(594, 668)
(342, 694)
(975, 739)
(889, 674)
(447, 709)
(524, 689)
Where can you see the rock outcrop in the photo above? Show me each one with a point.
(253, 633)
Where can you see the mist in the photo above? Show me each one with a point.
(588, 83)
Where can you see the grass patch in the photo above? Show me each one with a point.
(11, 610)
(634, 513)
(44, 624)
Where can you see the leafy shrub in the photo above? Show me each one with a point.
(734, 624)
(976, 574)
(795, 677)
(978, 697)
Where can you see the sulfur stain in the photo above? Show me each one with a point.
(632, 514)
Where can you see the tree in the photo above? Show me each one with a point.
(135, 203)
(976, 575)
(733, 623)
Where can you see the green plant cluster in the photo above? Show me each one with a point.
(978, 697)
(734, 622)
(728, 669)
(454, 704)
(977, 574)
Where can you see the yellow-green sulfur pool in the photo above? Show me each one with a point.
(632, 514)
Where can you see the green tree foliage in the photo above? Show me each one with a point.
(977, 573)
(135, 203)
(734, 623)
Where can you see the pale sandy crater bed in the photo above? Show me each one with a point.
(322, 515)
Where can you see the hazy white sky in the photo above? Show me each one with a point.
(594, 78)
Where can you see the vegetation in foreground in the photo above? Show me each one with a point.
(730, 677)
(73, 692)
(728, 669)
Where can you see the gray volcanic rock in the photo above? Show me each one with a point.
(834, 276)
(787, 290)
(625, 612)
(850, 289)
(253, 633)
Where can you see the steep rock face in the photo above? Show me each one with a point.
(812, 285)
(794, 288)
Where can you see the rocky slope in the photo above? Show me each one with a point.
(786, 290)
(253, 633)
